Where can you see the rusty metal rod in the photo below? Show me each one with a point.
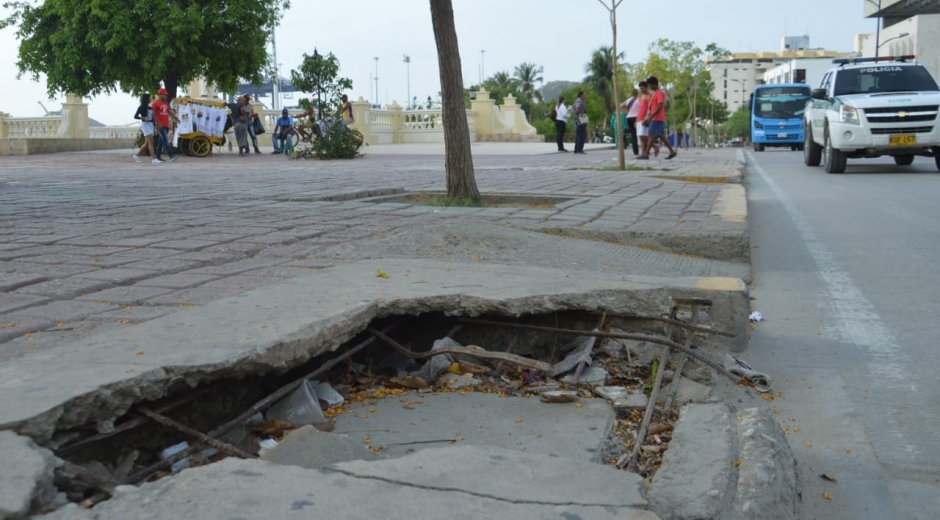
(637, 337)
(261, 405)
(214, 443)
(128, 425)
(670, 321)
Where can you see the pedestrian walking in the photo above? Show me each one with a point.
(581, 122)
(657, 115)
(145, 116)
(240, 114)
(162, 114)
(561, 123)
(642, 127)
(250, 119)
(632, 107)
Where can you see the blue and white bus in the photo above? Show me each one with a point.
(777, 115)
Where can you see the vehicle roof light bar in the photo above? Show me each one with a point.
(852, 61)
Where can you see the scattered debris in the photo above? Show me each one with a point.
(828, 477)
(760, 381)
(756, 317)
(559, 396)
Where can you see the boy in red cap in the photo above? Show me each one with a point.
(161, 115)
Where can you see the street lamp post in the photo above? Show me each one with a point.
(482, 64)
(902, 35)
(407, 60)
(316, 57)
(376, 81)
(878, 30)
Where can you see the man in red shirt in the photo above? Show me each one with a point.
(161, 115)
(656, 118)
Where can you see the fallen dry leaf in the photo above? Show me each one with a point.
(736, 463)
(809, 445)
(577, 405)
(518, 419)
(139, 353)
(412, 382)
(559, 396)
(848, 450)
(409, 404)
(274, 428)
(381, 274)
(828, 477)
(827, 496)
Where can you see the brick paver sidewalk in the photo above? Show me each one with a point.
(92, 241)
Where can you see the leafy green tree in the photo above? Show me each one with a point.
(739, 125)
(600, 74)
(318, 75)
(527, 75)
(90, 47)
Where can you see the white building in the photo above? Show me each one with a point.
(809, 71)
(909, 27)
(736, 76)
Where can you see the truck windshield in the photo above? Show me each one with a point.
(781, 102)
(884, 78)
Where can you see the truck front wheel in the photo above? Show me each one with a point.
(904, 160)
(834, 160)
(812, 153)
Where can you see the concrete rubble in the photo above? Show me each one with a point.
(26, 477)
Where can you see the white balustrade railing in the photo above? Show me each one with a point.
(33, 126)
(422, 121)
(114, 132)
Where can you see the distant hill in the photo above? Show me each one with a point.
(553, 89)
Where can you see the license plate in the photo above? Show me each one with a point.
(782, 136)
(902, 140)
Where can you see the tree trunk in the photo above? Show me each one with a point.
(618, 128)
(458, 159)
(171, 83)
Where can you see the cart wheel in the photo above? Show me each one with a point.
(185, 147)
(200, 146)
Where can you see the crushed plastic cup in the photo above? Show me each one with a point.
(326, 393)
(300, 407)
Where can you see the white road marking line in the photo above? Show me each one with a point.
(857, 321)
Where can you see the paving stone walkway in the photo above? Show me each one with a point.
(92, 241)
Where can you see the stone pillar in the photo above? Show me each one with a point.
(483, 106)
(74, 119)
(362, 117)
(398, 122)
(3, 125)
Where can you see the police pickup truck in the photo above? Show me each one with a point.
(869, 107)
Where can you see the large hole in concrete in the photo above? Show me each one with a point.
(393, 405)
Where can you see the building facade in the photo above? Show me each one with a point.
(807, 70)
(917, 35)
(735, 76)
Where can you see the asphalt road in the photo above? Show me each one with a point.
(845, 274)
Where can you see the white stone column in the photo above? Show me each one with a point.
(74, 118)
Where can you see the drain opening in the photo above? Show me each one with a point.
(560, 359)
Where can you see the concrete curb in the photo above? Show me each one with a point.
(726, 466)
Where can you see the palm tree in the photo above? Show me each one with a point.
(527, 74)
(600, 74)
(502, 80)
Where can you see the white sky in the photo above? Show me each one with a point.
(557, 34)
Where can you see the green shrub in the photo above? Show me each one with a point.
(340, 143)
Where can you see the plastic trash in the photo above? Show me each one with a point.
(326, 393)
(300, 407)
(266, 444)
(583, 347)
(762, 382)
(179, 465)
(438, 364)
(756, 316)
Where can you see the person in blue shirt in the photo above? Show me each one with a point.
(282, 131)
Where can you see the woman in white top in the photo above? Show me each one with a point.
(561, 121)
(632, 106)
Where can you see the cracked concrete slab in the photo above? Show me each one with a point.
(241, 489)
(26, 481)
(96, 379)
(516, 423)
